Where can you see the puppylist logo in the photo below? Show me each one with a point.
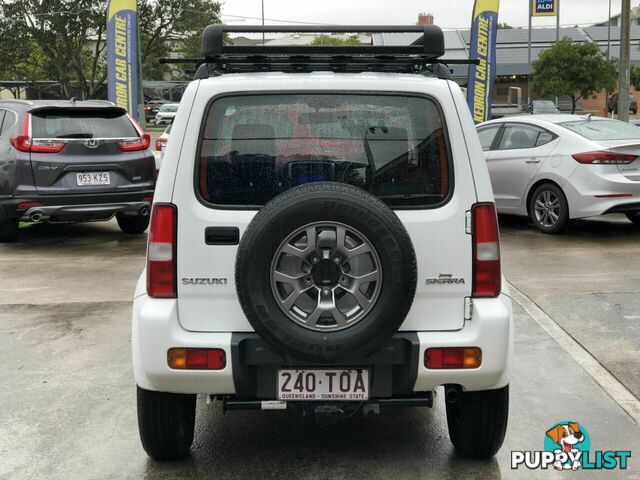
(567, 446)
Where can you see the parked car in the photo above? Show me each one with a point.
(71, 161)
(554, 168)
(537, 107)
(166, 113)
(322, 242)
(151, 107)
(612, 104)
(160, 145)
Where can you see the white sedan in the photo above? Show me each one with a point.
(553, 168)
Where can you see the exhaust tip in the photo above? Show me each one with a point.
(451, 395)
(36, 217)
(144, 211)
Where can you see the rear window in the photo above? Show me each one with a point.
(257, 146)
(603, 129)
(82, 123)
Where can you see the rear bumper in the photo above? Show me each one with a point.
(589, 185)
(397, 369)
(65, 208)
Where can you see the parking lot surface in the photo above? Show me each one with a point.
(67, 406)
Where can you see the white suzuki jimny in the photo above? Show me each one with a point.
(323, 239)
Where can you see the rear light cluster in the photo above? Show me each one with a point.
(135, 145)
(196, 358)
(452, 357)
(160, 144)
(603, 157)
(161, 251)
(487, 278)
(25, 143)
(141, 144)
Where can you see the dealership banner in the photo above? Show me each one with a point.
(544, 8)
(484, 31)
(122, 54)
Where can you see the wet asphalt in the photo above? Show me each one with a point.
(67, 402)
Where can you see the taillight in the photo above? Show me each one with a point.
(135, 145)
(452, 357)
(161, 251)
(160, 144)
(25, 143)
(486, 251)
(603, 158)
(196, 358)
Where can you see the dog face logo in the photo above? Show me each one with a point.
(567, 436)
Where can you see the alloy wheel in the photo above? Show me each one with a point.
(326, 276)
(547, 208)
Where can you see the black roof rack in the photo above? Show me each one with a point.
(219, 58)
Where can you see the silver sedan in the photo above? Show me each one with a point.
(553, 168)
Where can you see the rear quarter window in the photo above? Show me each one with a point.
(254, 147)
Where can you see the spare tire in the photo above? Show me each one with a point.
(325, 272)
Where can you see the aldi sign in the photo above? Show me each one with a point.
(545, 8)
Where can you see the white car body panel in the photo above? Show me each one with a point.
(513, 179)
(208, 314)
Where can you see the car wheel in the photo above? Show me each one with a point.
(634, 217)
(133, 224)
(548, 209)
(166, 423)
(326, 272)
(477, 422)
(8, 229)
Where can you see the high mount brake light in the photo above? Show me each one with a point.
(487, 278)
(602, 157)
(25, 143)
(161, 251)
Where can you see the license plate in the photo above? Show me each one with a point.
(323, 385)
(93, 178)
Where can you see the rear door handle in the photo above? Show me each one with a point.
(532, 160)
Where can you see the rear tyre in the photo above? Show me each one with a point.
(133, 224)
(548, 208)
(634, 217)
(166, 423)
(8, 229)
(478, 422)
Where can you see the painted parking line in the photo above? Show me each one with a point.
(614, 388)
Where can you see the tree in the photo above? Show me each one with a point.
(172, 26)
(67, 38)
(577, 70)
(332, 40)
(504, 26)
(635, 77)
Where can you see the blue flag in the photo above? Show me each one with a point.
(484, 32)
(122, 54)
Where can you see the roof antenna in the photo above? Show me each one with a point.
(72, 99)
